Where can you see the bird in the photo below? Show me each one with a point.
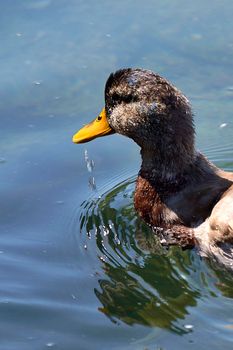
(185, 198)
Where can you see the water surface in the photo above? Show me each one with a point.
(79, 270)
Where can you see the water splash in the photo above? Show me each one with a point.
(90, 168)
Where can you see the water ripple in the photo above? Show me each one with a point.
(139, 281)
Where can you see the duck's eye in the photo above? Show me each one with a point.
(127, 98)
(116, 98)
(121, 98)
(98, 118)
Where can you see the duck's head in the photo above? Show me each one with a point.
(147, 108)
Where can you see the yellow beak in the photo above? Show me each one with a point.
(98, 127)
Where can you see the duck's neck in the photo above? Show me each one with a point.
(167, 167)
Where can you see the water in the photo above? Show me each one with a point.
(78, 269)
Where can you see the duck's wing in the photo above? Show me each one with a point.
(215, 235)
(221, 219)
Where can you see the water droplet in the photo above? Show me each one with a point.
(50, 344)
(90, 165)
(105, 230)
(188, 326)
(86, 155)
(89, 162)
(223, 125)
(92, 183)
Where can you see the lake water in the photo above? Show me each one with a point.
(78, 269)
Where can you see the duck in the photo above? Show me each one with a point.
(185, 198)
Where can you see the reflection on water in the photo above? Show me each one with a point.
(143, 282)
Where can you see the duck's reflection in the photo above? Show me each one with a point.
(144, 283)
(149, 290)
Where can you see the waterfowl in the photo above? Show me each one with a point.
(185, 198)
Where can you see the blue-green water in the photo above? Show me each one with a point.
(78, 269)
